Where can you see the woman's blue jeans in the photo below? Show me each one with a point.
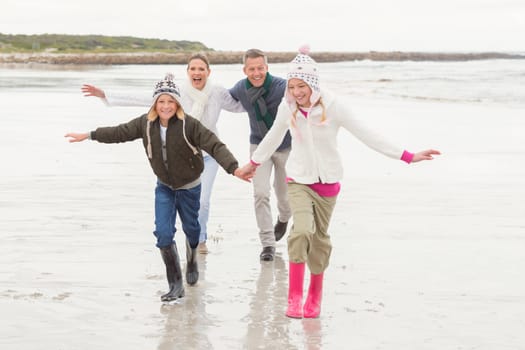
(168, 203)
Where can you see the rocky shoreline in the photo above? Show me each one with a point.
(233, 57)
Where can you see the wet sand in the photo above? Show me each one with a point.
(426, 256)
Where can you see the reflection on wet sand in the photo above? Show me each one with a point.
(187, 324)
(268, 327)
(187, 321)
(266, 321)
(312, 333)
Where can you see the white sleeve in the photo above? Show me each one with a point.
(228, 103)
(365, 134)
(123, 100)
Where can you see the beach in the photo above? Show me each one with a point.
(426, 256)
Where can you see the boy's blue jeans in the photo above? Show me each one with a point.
(168, 203)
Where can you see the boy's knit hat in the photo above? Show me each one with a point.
(167, 86)
(305, 68)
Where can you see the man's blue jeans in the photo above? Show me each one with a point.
(168, 203)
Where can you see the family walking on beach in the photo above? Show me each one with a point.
(294, 124)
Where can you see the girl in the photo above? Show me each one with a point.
(314, 169)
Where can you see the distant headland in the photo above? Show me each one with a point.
(109, 50)
(235, 57)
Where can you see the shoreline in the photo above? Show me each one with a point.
(235, 57)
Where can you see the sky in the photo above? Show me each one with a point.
(285, 25)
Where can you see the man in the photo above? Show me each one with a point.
(260, 94)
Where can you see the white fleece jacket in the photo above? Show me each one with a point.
(314, 156)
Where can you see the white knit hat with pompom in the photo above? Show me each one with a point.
(305, 68)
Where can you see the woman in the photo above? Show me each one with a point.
(204, 101)
(173, 149)
(314, 169)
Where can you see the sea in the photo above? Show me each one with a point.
(477, 82)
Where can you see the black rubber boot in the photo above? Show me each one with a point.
(192, 269)
(173, 273)
(267, 254)
(280, 229)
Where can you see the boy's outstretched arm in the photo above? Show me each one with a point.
(76, 136)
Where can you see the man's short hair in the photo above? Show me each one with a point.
(254, 53)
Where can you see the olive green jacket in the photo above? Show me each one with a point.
(184, 141)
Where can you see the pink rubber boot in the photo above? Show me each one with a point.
(312, 306)
(295, 290)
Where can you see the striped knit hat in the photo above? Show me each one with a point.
(167, 86)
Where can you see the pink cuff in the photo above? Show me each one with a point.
(407, 157)
(253, 163)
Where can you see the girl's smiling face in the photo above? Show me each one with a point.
(300, 91)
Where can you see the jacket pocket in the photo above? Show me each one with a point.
(196, 162)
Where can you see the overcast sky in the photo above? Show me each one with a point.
(283, 25)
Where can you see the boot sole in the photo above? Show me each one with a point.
(172, 298)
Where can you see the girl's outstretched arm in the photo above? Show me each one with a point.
(425, 155)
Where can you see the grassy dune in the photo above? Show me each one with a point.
(109, 50)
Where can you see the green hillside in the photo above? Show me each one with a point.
(92, 43)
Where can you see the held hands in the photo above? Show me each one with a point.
(246, 172)
(424, 155)
(91, 90)
(76, 137)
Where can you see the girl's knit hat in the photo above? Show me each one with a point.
(305, 68)
(167, 86)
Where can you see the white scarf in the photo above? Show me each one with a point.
(199, 99)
